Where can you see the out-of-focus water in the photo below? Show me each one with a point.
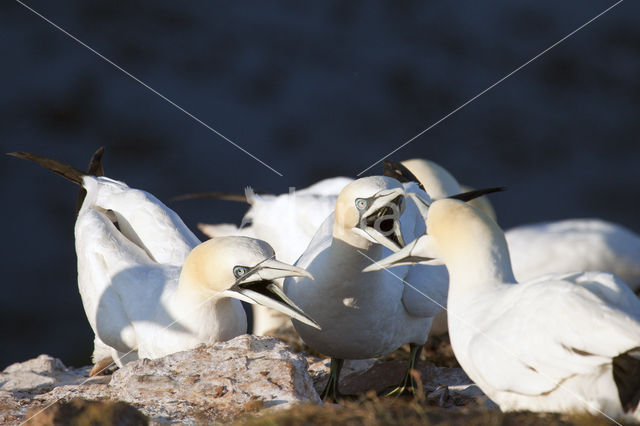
(314, 90)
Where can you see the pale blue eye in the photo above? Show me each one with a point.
(239, 271)
(361, 203)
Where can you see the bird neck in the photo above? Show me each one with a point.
(478, 265)
(350, 238)
(350, 259)
(204, 312)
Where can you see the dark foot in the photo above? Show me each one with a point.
(331, 392)
(408, 385)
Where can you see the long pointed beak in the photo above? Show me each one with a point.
(409, 255)
(476, 193)
(257, 287)
(272, 269)
(386, 226)
(421, 203)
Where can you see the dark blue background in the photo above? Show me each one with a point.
(313, 89)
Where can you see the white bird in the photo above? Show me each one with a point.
(363, 315)
(575, 245)
(288, 222)
(149, 287)
(558, 343)
(543, 248)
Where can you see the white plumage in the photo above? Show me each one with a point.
(575, 245)
(557, 343)
(287, 221)
(371, 314)
(149, 287)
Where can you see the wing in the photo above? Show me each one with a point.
(143, 219)
(575, 245)
(224, 230)
(330, 186)
(116, 278)
(547, 332)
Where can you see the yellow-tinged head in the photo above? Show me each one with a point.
(437, 181)
(465, 239)
(242, 268)
(368, 211)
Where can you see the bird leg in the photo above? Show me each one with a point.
(330, 392)
(408, 383)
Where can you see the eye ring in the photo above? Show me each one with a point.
(239, 271)
(361, 203)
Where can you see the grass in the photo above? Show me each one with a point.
(371, 410)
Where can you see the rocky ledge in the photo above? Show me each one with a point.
(211, 382)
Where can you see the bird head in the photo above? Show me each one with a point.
(455, 231)
(245, 269)
(370, 209)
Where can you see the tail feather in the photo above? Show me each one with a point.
(94, 169)
(95, 164)
(64, 170)
(626, 374)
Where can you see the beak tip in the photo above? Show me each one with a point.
(371, 268)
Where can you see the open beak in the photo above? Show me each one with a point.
(414, 252)
(381, 221)
(258, 287)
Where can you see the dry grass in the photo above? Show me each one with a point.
(371, 410)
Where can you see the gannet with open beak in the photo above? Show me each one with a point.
(361, 315)
(557, 343)
(149, 287)
(288, 222)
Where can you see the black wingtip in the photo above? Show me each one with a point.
(399, 172)
(66, 171)
(476, 193)
(95, 164)
(239, 198)
(93, 169)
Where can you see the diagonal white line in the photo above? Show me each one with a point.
(151, 89)
(493, 85)
(250, 271)
(505, 349)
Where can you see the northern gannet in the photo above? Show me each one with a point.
(557, 343)
(149, 287)
(288, 222)
(575, 245)
(363, 315)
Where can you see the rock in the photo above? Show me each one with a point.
(205, 384)
(42, 374)
(220, 381)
